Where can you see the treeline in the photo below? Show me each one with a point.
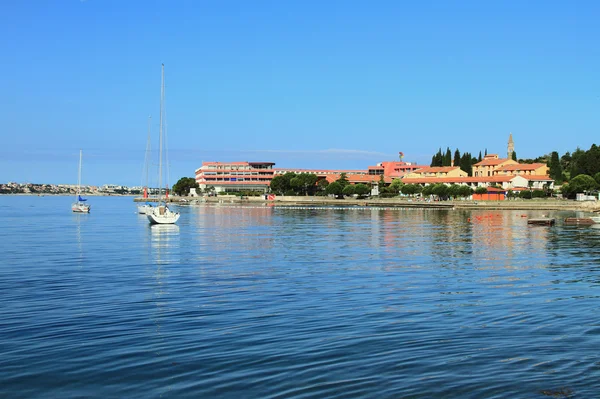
(464, 160)
(308, 184)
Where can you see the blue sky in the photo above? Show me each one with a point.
(314, 84)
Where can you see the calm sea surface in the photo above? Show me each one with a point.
(262, 302)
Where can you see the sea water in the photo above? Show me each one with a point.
(269, 302)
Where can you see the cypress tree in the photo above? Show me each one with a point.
(555, 171)
(447, 157)
(514, 156)
(479, 159)
(457, 158)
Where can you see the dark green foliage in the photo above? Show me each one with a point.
(334, 188)
(479, 159)
(183, 185)
(281, 183)
(525, 194)
(555, 169)
(514, 156)
(343, 180)
(457, 157)
(348, 190)
(447, 157)
(411, 189)
(361, 189)
(481, 190)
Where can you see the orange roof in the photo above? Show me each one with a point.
(521, 166)
(450, 180)
(355, 178)
(536, 177)
(436, 169)
(491, 162)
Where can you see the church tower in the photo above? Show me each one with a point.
(511, 146)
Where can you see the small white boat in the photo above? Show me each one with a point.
(596, 219)
(79, 205)
(145, 209)
(161, 214)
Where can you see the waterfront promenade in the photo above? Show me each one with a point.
(518, 204)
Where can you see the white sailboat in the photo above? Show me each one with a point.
(79, 205)
(147, 207)
(161, 214)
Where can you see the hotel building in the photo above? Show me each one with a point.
(235, 176)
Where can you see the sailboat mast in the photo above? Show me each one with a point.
(79, 176)
(148, 153)
(160, 133)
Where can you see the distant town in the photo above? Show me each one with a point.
(69, 189)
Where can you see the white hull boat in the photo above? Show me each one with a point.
(145, 209)
(162, 215)
(79, 205)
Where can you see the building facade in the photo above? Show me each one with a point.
(235, 176)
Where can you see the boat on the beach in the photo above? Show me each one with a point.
(79, 205)
(161, 214)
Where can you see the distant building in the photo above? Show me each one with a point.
(235, 176)
(438, 171)
(489, 164)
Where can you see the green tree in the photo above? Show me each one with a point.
(322, 185)
(597, 178)
(457, 158)
(514, 156)
(395, 186)
(481, 190)
(555, 170)
(447, 157)
(381, 184)
(304, 183)
(334, 188)
(281, 184)
(348, 190)
(466, 191)
(361, 190)
(183, 185)
(454, 191)
(441, 190)
(343, 179)
(582, 184)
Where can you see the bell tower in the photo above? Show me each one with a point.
(511, 147)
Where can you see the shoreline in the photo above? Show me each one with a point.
(542, 205)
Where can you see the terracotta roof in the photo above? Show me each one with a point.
(436, 169)
(354, 178)
(491, 162)
(450, 180)
(537, 177)
(520, 166)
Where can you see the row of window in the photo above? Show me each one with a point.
(237, 174)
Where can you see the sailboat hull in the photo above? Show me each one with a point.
(144, 209)
(162, 215)
(80, 208)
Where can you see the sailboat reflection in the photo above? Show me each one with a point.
(165, 243)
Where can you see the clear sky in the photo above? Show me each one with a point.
(313, 84)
